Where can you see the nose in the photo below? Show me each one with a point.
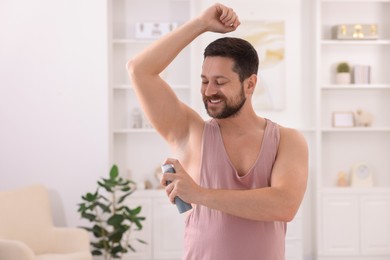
(210, 89)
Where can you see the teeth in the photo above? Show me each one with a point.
(215, 101)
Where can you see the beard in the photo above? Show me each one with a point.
(230, 107)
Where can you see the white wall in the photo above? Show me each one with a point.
(53, 98)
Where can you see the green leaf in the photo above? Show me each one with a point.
(114, 173)
(116, 250)
(99, 231)
(131, 248)
(105, 208)
(96, 252)
(135, 211)
(115, 220)
(138, 223)
(141, 241)
(89, 197)
(89, 216)
(87, 228)
(116, 235)
(82, 207)
(100, 244)
(105, 186)
(126, 188)
(122, 198)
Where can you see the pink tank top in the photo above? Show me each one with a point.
(214, 235)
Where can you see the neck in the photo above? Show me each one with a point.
(245, 121)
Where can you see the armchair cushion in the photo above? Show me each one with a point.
(27, 230)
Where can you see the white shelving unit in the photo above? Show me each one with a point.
(353, 223)
(131, 148)
(139, 151)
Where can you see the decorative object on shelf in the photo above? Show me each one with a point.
(355, 32)
(343, 119)
(343, 73)
(141, 185)
(158, 174)
(148, 185)
(342, 179)
(363, 118)
(362, 175)
(153, 30)
(137, 117)
(113, 221)
(361, 74)
(145, 122)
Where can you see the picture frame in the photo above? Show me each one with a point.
(343, 119)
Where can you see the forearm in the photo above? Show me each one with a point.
(152, 61)
(264, 204)
(161, 53)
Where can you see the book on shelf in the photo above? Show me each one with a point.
(361, 74)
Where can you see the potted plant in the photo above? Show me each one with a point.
(343, 75)
(112, 220)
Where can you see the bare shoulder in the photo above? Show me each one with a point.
(292, 140)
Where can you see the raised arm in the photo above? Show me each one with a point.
(160, 104)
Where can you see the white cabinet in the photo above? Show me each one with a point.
(340, 225)
(353, 223)
(168, 230)
(375, 225)
(163, 229)
(294, 238)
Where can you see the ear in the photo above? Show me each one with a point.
(251, 83)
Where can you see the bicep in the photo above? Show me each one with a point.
(290, 171)
(168, 115)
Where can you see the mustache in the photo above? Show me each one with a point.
(215, 96)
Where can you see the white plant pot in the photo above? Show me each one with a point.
(343, 78)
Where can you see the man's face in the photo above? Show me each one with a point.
(223, 93)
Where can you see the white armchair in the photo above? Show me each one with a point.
(27, 231)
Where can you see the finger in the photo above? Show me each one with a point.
(227, 14)
(230, 15)
(167, 178)
(172, 196)
(169, 188)
(176, 164)
(231, 21)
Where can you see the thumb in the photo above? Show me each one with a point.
(176, 164)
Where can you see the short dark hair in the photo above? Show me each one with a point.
(244, 55)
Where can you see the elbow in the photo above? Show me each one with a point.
(130, 66)
(134, 71)
(287, 214)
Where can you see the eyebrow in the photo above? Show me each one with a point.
(216, 77)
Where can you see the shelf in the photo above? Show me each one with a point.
(355, 1)
(351, 190)
(355, 42)
(356, 87)
(134, 130)
(355, 129)
(306, 129)
(131, 41)
(128, 87)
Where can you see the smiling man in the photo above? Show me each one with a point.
(244, 174)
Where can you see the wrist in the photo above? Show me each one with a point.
(198, 25)
(204, 196)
